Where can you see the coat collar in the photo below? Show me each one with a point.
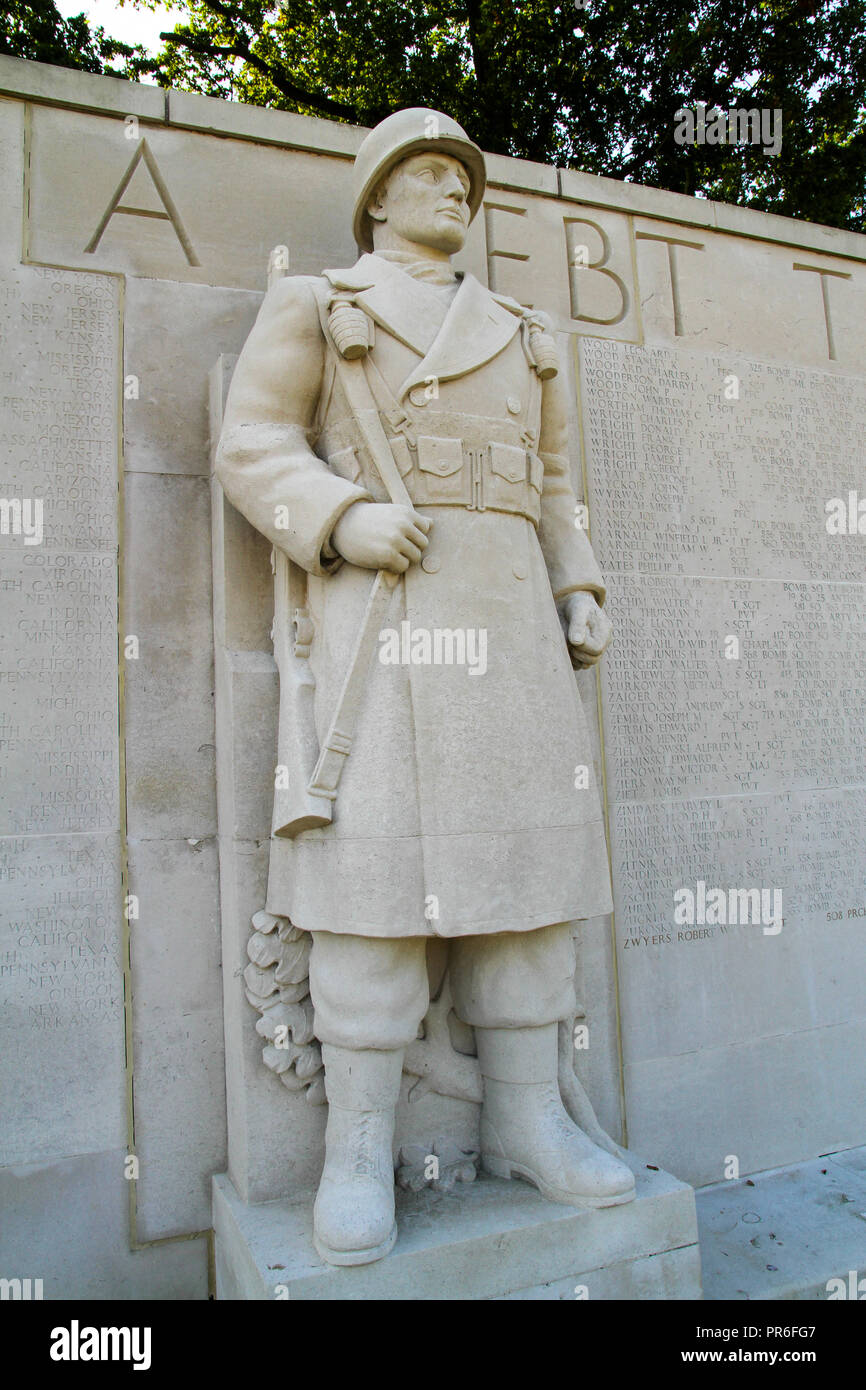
(475, 328)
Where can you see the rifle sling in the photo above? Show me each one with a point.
(338, 741)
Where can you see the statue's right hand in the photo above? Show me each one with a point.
(381, 536)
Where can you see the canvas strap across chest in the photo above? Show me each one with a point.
(467, 440)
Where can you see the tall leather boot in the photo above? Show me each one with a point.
(353, 1219)
(526, 1131)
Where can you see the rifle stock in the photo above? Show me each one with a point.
(295, 807)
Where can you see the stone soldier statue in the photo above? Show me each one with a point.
(461, 811)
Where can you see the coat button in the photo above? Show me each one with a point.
(418, 395)
(519, 569)
(431, 563)
(513, 404)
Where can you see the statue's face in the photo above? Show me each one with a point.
(424, 201)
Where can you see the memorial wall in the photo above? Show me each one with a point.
(718, 410)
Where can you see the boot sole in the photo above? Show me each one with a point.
(347, 1258)
(504, 1168)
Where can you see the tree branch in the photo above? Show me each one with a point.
(283, 85)
(479, 57)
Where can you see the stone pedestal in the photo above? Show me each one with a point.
(489, 1239)
(792, 1234)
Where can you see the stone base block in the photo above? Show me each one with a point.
(65, 1222)
(790, 1234)
(490, 1239)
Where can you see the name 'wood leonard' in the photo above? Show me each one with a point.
(399, 433)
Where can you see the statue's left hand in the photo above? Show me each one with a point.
(588, 629)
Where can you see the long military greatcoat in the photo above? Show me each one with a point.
(460, 810)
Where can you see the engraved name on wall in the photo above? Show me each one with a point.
(60, 900)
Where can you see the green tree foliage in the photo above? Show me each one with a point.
(588, 84)
(36, 29)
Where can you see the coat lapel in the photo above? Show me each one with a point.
(474, 329)
(403, 306)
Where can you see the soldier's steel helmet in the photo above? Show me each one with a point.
(402, 134)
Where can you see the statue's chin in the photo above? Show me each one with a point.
(448, 238)
(454, 243)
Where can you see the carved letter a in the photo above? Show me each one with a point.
(171, 213)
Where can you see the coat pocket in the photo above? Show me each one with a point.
(441, 469)
(506, 482)
(508, 463)
(515, 481)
